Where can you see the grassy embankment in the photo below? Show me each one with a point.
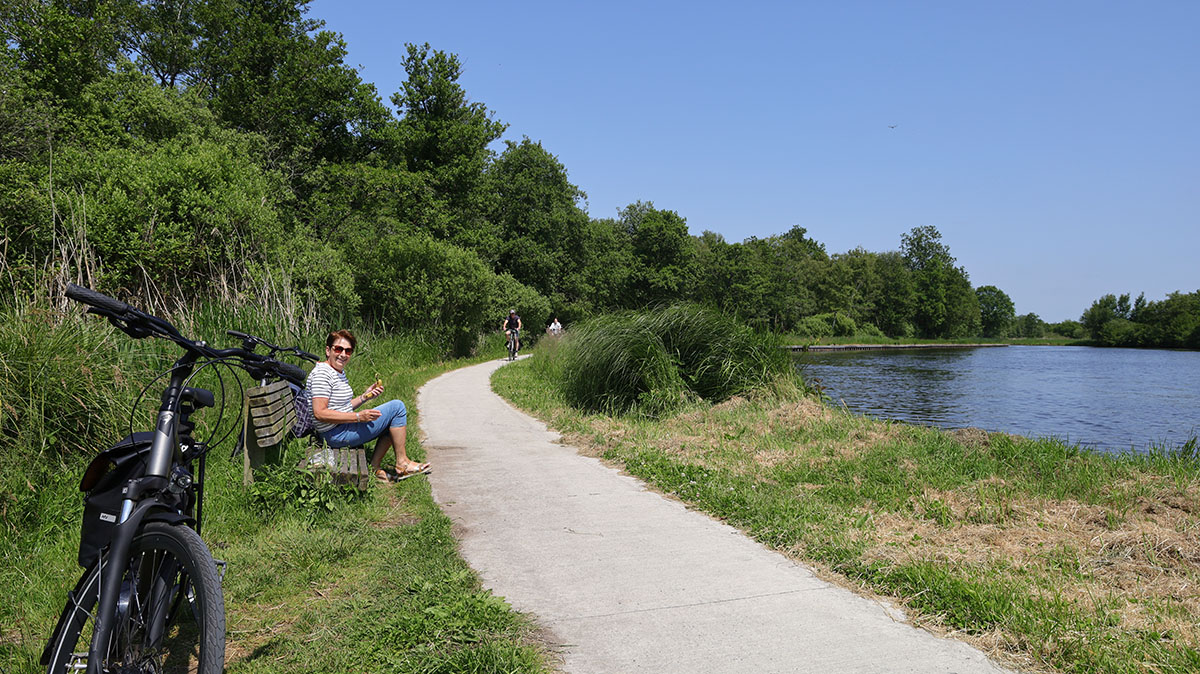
(319, 579)
(1044, 555)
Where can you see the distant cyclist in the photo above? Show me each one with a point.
(512, 326)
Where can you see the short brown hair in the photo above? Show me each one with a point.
(341, 334)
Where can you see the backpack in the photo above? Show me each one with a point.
(304, 414)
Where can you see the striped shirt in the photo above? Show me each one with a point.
(326, 382)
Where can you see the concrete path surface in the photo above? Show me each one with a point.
(626, 580)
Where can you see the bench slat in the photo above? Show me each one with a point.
(268, 420)
(275, 433)
(272, 407)
(261, 393)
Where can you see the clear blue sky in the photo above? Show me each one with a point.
(1055, 144)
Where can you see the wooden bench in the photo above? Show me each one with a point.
(269, 414)
(347, 465)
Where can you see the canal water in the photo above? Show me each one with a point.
(1107, 399)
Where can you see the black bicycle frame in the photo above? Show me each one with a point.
(141, 499)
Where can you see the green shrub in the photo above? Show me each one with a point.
(870, 330)
(814, 327)
(843, 325)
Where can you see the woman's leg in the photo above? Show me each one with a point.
(391, 428)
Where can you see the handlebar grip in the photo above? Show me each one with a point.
(308, 356)
(292, 373)
(239, 335)
(92, 298)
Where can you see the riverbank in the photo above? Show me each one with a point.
(799, 341)
(1045, 556)
(882, 347)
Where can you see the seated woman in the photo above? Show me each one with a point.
(334, 405)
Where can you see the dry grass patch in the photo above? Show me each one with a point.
(1144, 568)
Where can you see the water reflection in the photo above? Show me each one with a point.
(1104, 398)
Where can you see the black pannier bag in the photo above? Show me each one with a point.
(104, 483)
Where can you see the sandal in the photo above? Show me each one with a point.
(385, 475)
(414, 468)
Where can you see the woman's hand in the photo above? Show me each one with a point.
(367, 415)
(373, 391)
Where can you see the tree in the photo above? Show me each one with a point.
(945, 305)
(663, 254)
(64, 45)
(1029, 325)
(445, 136)
(271, 71)
(1101, 312)
(1067, 328)
(535, 209)
(996, 311)
(896, 299)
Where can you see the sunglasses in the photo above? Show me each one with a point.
(339, 349)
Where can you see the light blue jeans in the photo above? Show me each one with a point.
(392, 413)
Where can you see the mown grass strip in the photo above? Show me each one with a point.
(1044, 555)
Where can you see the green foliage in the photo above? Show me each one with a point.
(1102, 311)
(58, 381)
(996, 312)
(1173, 322)
(651, 362)
(945, 305)
(444, 136)
(1028, 325)
(814, 327)
(282, 487)
(532, 307)
(415, 282)
(1068, 328)
(534, 209)
(662, 254)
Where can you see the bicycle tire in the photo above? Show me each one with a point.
(170, 587)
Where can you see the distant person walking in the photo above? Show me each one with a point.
(556, 327)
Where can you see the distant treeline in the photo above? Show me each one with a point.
(173, 151)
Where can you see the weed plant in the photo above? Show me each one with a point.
(653, 362)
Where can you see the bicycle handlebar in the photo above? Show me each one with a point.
(92, 298)
(248, 342)
(138, 324)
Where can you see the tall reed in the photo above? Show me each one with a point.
(653, 361)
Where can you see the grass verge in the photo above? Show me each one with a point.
(319, 580)
(1045, 556)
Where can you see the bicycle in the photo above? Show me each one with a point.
(512, 344)
(150, 597)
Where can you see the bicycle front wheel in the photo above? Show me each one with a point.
(170, 615)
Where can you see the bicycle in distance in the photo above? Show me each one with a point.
(511, 344)
(512, 328)
(150, 597)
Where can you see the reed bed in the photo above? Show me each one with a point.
(655, 361)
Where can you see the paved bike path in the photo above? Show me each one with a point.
(625, 580)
